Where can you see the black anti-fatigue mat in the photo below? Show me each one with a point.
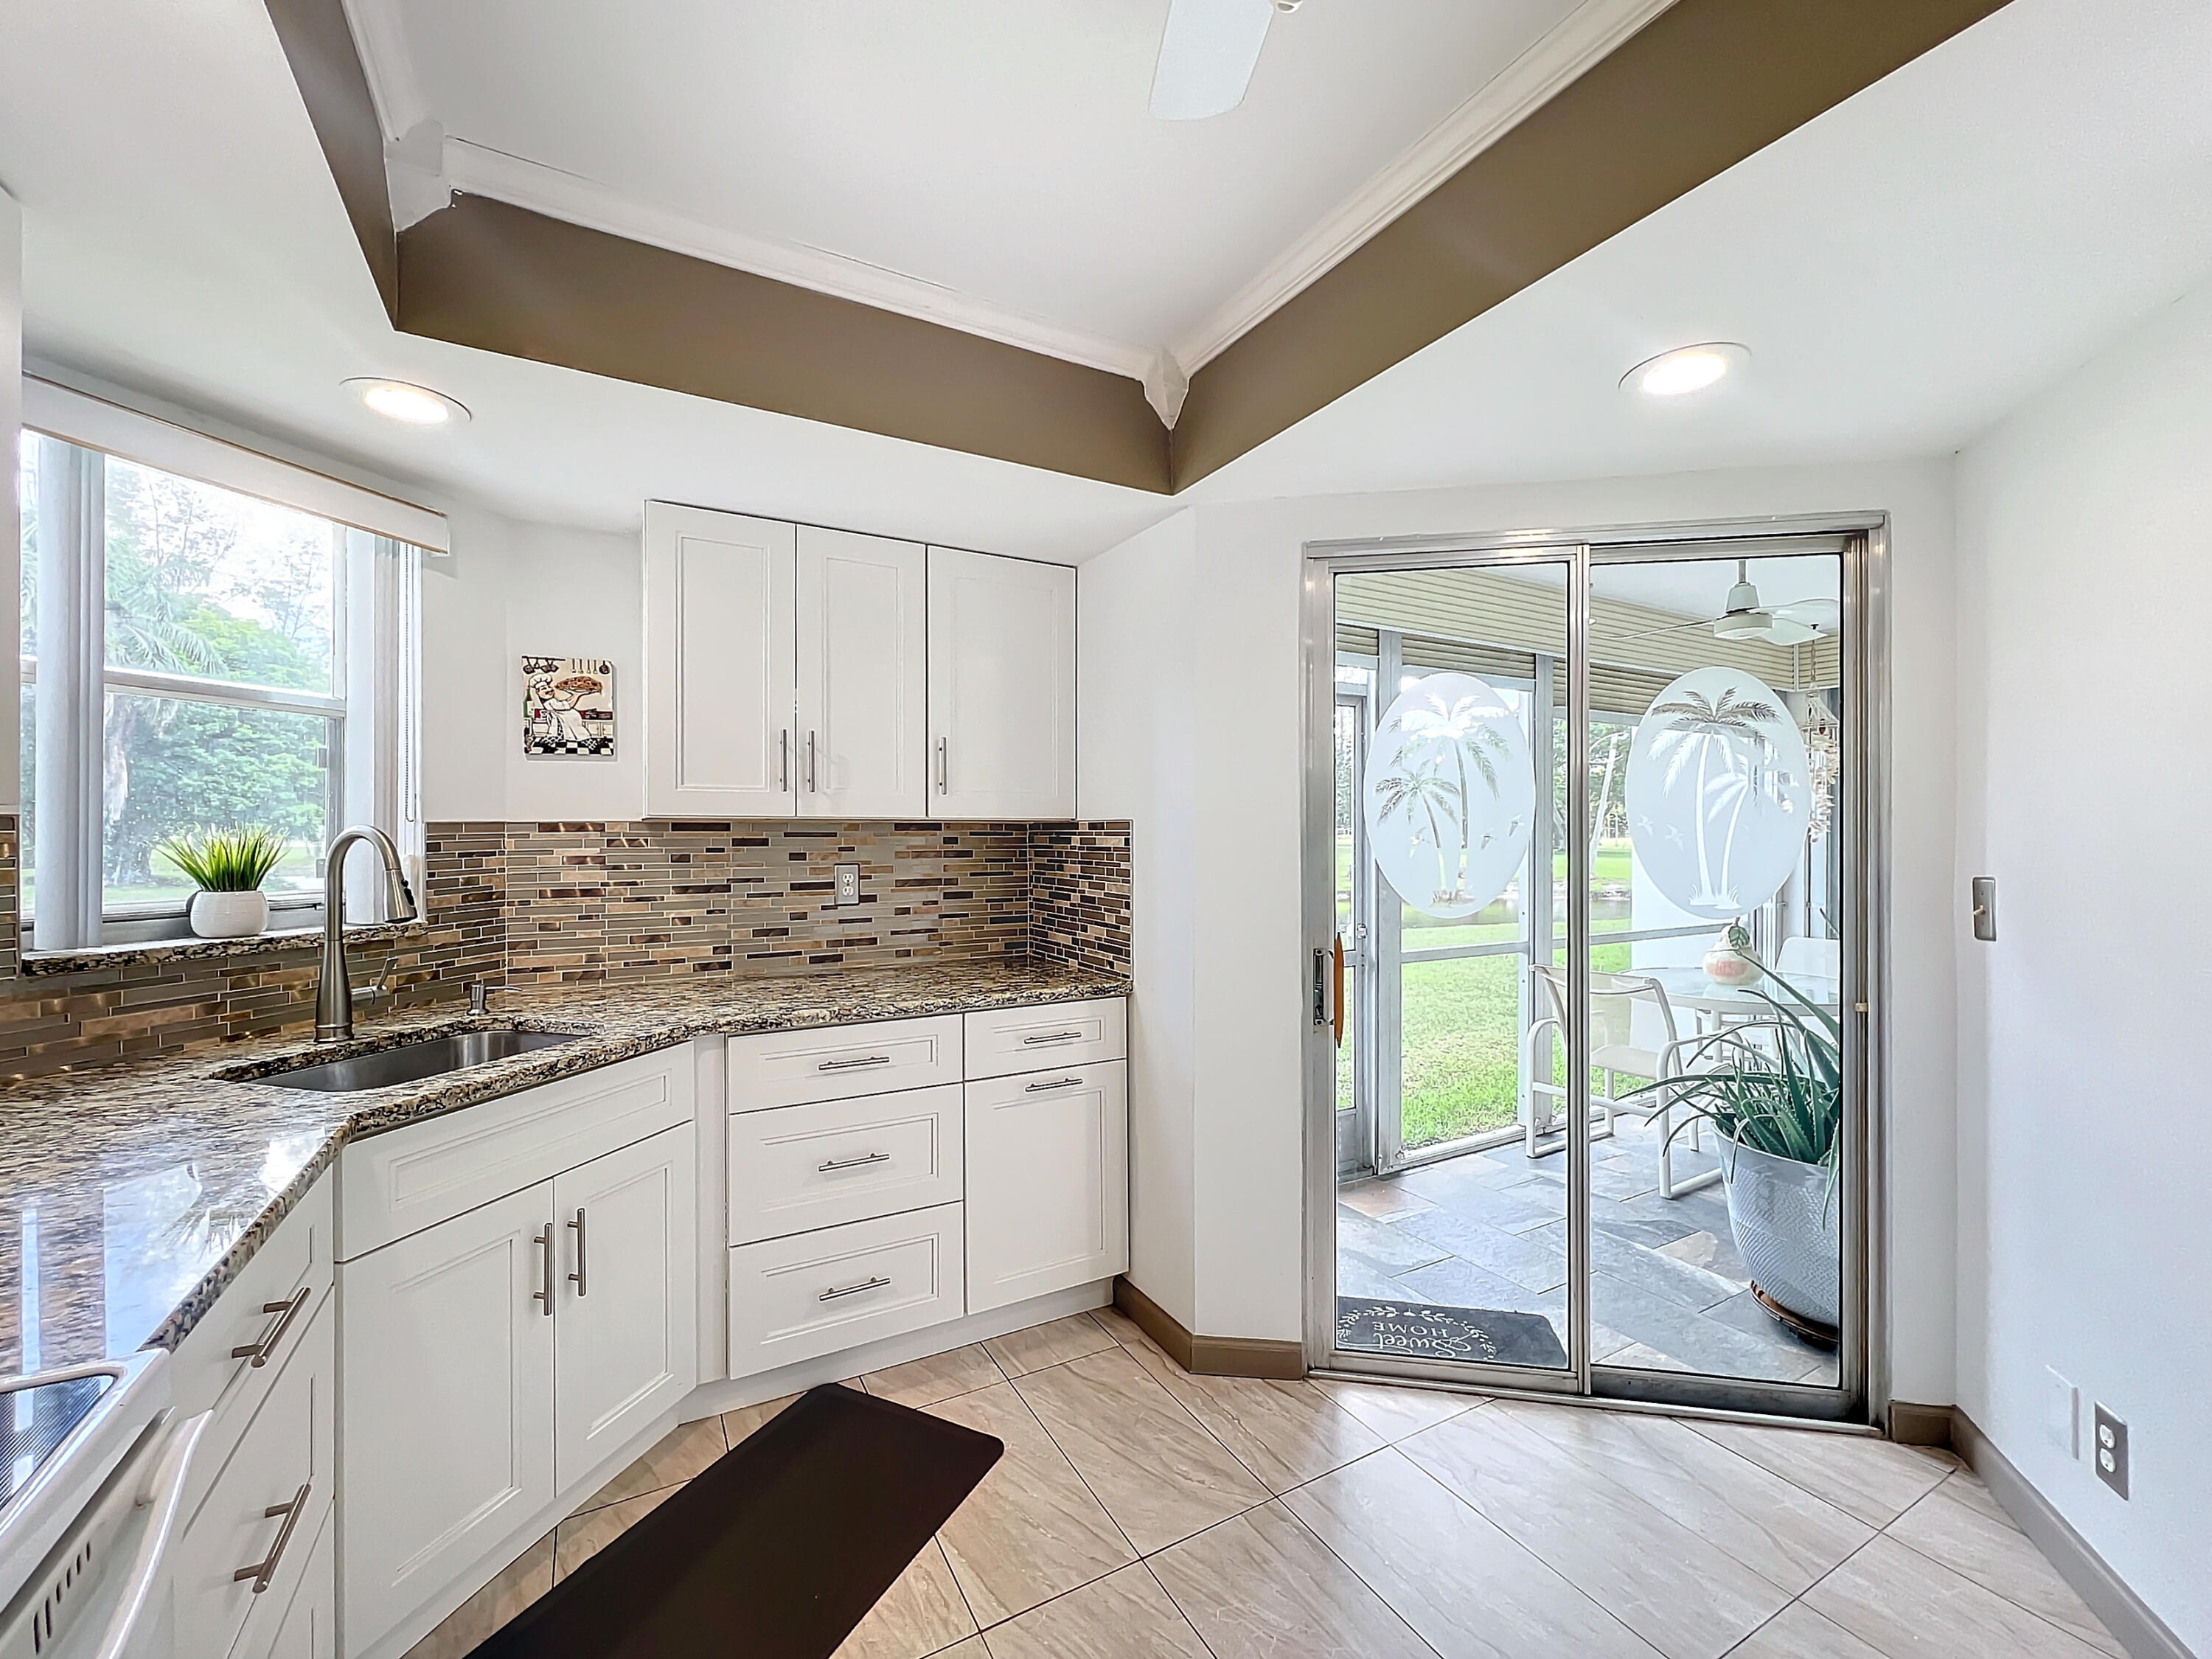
(1422, 1330)
(776, 1552)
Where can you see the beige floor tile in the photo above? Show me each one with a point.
(521, 1582)
(737, 1424)
(1966, 1487)
(1904, 1605)
(1031, 1530)
(1262, 1586)
(1468, 1590)
(922, 1612)
(1286, 1432)
(683, 1452)
(1951, 1525)
(1776, 1529)
(1160, 1474)
(580, 1537)
(1051, 1344)
(1124, 1615)
(1395, 1412)
(922, 1383)
(973, 1648)
(1689, 1599)
(1125, 1331)
(1798, 1632)
(1874, 1479)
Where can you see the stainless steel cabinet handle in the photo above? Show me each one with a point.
(853, 1163)
(811, 788)
(544, 1241)
(577, 1277)
(1052, 1036)
(1052, 1082)
(259, 1353)
(783, 760)
(261, 1572)
(940, 766)
(875, 1284)
(851, 1064)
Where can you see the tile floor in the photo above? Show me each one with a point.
(1143, 1513)
(1488, 1229)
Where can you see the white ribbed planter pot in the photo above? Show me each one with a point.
(1789, 1230)
(229, 916)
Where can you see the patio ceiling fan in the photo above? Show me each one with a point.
(1207, 54)
(1745, 618)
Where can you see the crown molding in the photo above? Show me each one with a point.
(1586, 35)
(379, 38)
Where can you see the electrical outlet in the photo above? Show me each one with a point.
(2062, 1413)
(848, 884)
(2111, 1451)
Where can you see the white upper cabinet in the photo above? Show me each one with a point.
(1001, 687)
(858, 746)
(719, 650)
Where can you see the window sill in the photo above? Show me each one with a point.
(144, 952)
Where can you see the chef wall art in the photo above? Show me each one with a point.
(569, 707)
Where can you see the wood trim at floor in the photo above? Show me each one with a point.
(2130, 1618)
(1910, 1424)
(1209, 1356)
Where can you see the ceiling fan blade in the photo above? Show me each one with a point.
(1783, 631)
(1654, 633)
(1813, 613)
(1207, 54)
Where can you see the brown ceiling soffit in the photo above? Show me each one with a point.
(1705, 84)
(481, 273)
(319, 44)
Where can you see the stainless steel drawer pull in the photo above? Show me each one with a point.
(940, 766)
(853, 1065)
(1051, 1036)
(261, 1572)
(544, 1241)
(259, 1353)
(1051, 1083)
(577, 1277)
(828, 1164)
(875, 1284)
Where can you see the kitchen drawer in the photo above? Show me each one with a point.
(265, 1312)
(282, 1463)
(793, 1299)
(392, 1185)
(835, 1062)
(796, 1168)
(1003, 1041)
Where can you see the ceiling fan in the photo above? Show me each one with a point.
(1207, 54)
(1745, 618)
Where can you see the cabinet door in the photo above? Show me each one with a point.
(446, 1437)
(719, 678)
(1047, 1182)
(626, 1345)
(306, 1626)
(1001, 687)
(860, 747)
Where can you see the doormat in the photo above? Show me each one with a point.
(1422, 1331)
(777, 1550)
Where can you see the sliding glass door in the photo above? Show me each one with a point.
(1596, 1118)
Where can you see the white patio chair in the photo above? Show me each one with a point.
(1614, 1051)
(1803, 954)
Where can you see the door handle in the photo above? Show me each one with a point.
(1336, 991)
(783, 761)
(544, 1241)
(812, 786)
(577, 1277)
(940, 766)
(259, 1353)
(261, 1572)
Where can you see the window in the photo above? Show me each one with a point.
(197, 658)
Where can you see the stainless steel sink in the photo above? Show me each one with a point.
(411, 1062)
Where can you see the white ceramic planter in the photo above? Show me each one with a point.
(1789, 1229)
(229, 916)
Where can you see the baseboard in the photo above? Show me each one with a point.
(1920, 1425)
(2137, 1629)
(1209, 1356)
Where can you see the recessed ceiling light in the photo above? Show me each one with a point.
(407, 404)
(1685, 369)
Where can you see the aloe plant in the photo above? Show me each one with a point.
(225, 860)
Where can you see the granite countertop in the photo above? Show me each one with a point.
(130, 1194)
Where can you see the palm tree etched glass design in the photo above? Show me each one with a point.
(1448, 794)
(1718, 793)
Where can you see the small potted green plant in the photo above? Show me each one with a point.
(228, 867)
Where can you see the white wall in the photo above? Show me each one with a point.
(11, 539)
(2085, 535)
(509, 590)
(1136, 666)
(1240, 858)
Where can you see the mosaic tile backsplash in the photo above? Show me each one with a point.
(616, 902)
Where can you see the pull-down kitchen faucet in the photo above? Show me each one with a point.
(334, 986)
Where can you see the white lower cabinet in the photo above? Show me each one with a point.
(794, 1298)
(1047, 1182)
(448, 1440)
(306, 1626)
